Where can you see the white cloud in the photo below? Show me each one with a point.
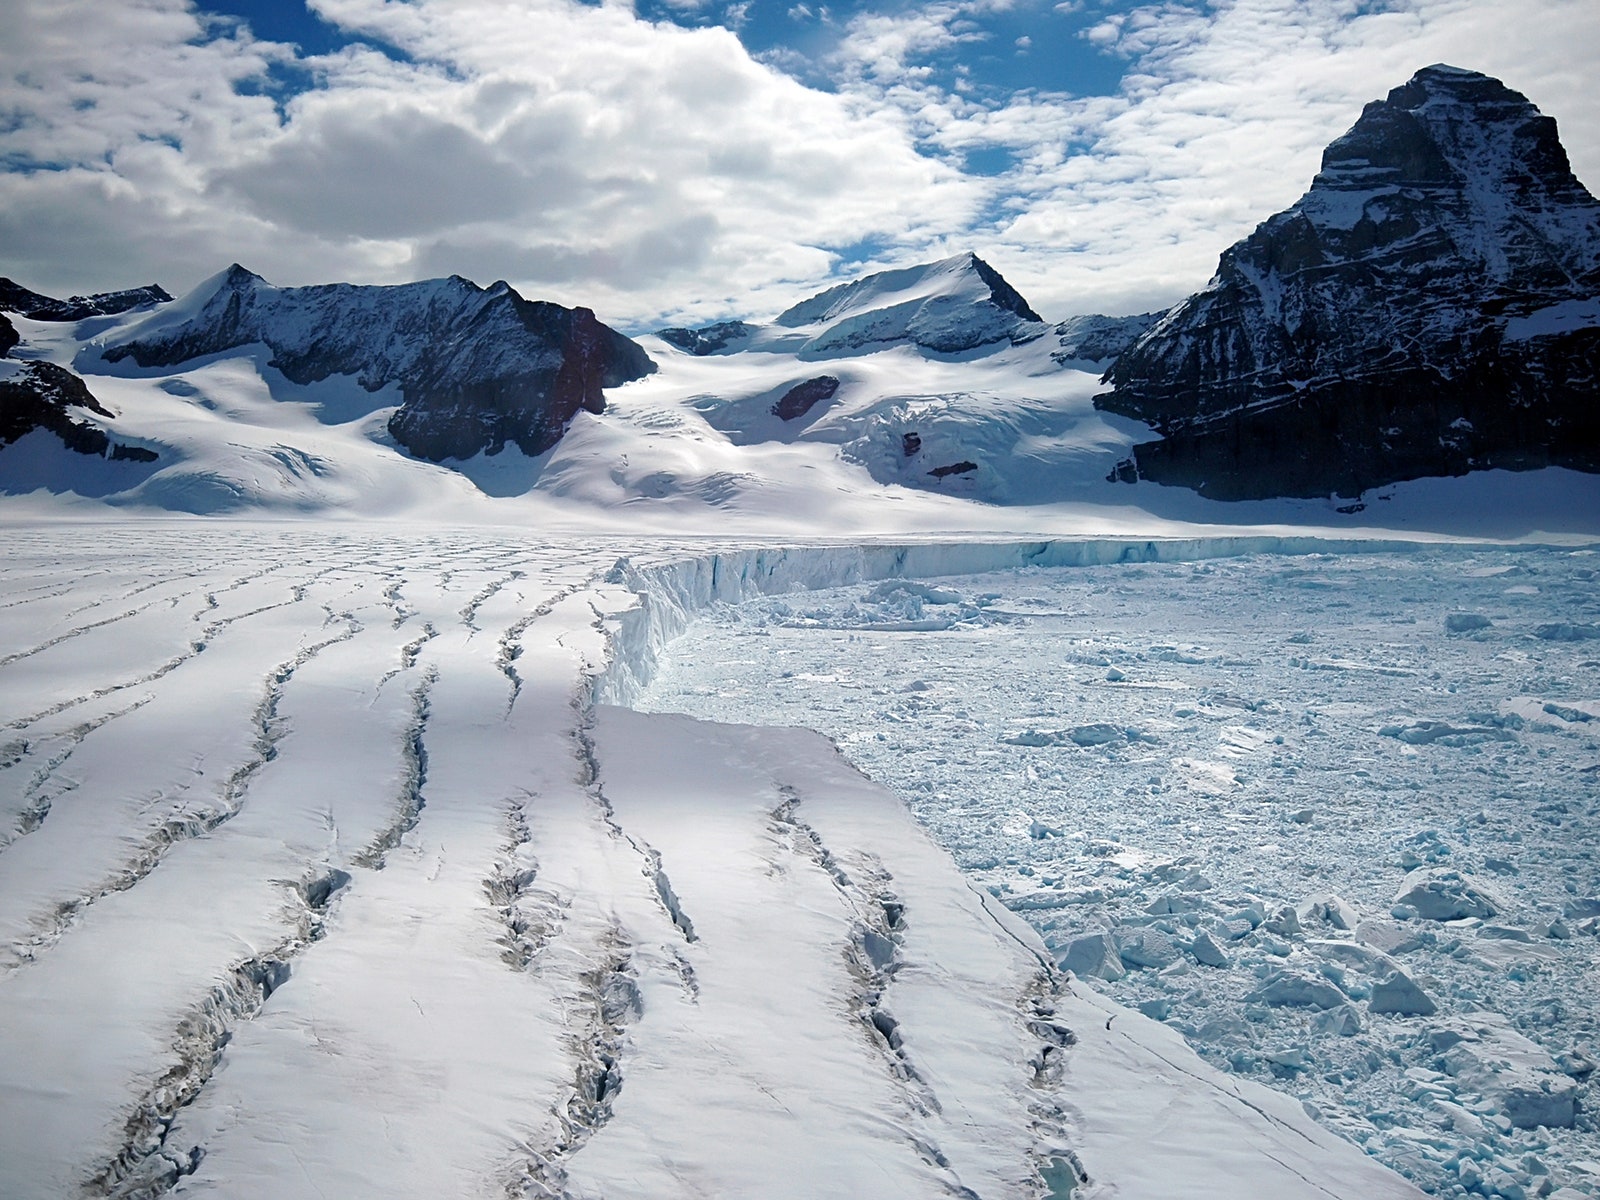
(591, 157)
(1125, 202)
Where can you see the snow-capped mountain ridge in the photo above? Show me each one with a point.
(1397, 321)
(478, 367)
(953, 306)
(36, 307)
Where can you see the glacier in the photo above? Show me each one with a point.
(331, 863)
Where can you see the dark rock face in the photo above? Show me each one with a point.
(18, 299)
(1431, 306)
(802, 397)
(9, 337)
(476, 367)
(39, 397)
(708, 339)
(1001, 293)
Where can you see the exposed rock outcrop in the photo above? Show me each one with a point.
(39, 395)
(803, 397)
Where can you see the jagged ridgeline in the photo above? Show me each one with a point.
(1429, 307)
(476, 367)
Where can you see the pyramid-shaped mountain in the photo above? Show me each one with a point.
(952, 306)
(1430, 306)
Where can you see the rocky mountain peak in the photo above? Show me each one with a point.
(1428, 307)
(475, 367)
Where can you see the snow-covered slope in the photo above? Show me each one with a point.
(1430, 306)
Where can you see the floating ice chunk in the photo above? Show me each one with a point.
(1032, 737)
(1352, 954)
(1487, 1056)
(1581, 907)
(1097, 734)
(1290, 987)
(1572, 716)
(1325, 906)
(901, 589)
(1505, 933)
(1445, 894)
(1285, 922)
(1424, 847)
(1292, 1059)
(1465, 1123)
(1429, 733)
(1251, 912)
(1392, 937)
(1562, 631)
(1158, 1009)
(1398, 993)
(1148, 948)
(1093, 957)
(1174, 902)
(1207, 952)
(1343, 1020)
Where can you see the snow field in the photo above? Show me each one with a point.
(1237, 790)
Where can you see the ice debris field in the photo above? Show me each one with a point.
(1333, 817)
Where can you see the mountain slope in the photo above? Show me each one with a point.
(1429, 307)
(477, 367)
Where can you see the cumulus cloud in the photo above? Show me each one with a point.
(1121, 203)
(646, 170)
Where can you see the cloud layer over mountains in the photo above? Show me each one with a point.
(652, 171)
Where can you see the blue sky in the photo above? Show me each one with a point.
(1042, 45)
(695, 159)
